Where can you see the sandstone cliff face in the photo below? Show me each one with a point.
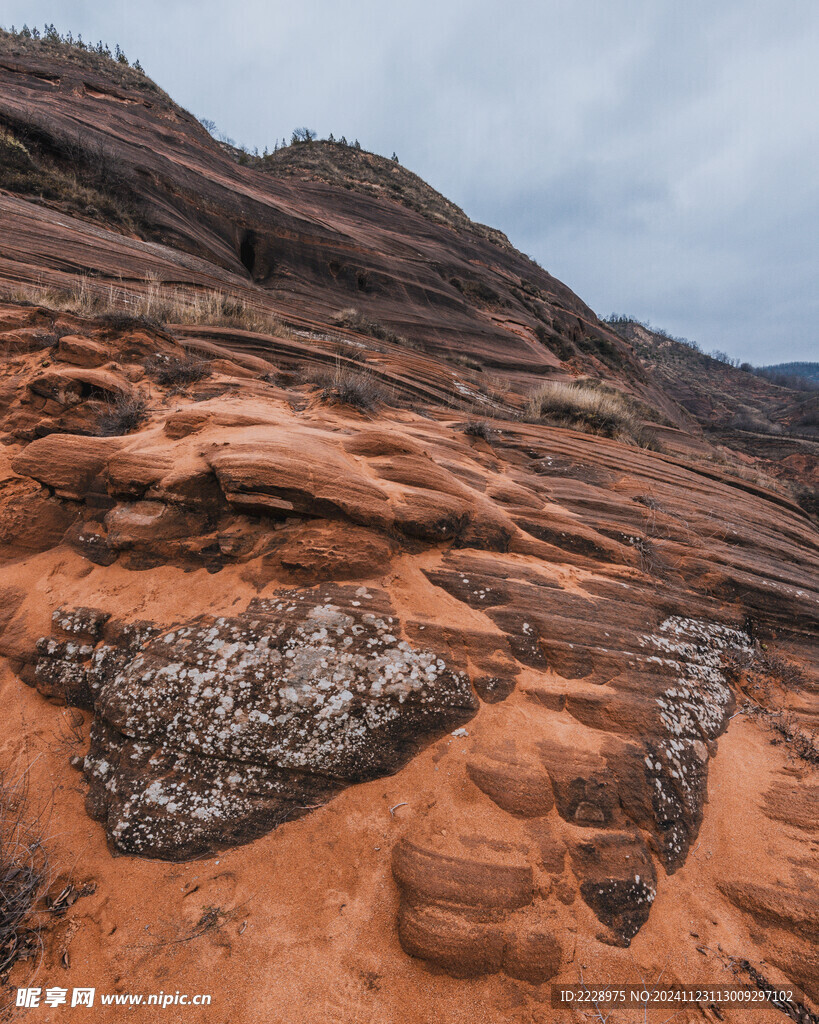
(394, 718)
(303, 248)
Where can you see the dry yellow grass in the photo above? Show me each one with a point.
(157, 303)
(591, 409)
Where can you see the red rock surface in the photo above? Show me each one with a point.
(445, 718)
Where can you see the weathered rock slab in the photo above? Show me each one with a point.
(215, 730)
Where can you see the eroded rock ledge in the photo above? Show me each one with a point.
(587, 819)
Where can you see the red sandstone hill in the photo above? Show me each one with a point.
(309, 247)
(348, 680)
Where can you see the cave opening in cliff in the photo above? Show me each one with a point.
(247, 252)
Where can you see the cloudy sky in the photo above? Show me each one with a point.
(659, 156)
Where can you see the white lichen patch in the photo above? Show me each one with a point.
(692, 711)
(88, 622)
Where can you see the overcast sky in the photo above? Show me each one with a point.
(659, 156)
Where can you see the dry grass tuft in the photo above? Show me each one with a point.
(157, 304)
(467, 361)
(352, 350)
(592, 409)
(479, 428)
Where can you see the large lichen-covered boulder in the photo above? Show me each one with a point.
(213, 731)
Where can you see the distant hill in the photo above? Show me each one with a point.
(808, 370)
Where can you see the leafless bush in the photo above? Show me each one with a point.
(173, 372)
(754, 421)
(794, 381)
(123, 415)
(758, 674)
(758, 670)
(69, 734)
(356, 321)
(810, 418)
(24, 874)
(478, 428)
(796, 1011)
(802, 744)
(351, 387)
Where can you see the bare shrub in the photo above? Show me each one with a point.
(757, 670)
(802, 744)
(754, 421)
(794, 381)
(351, 387)
(562, 347)
(123, 415)
(478, 428)
(24, 874)
(356, 321)
(302, 135)
(809, 418)
(173, 372)
(594, 410)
